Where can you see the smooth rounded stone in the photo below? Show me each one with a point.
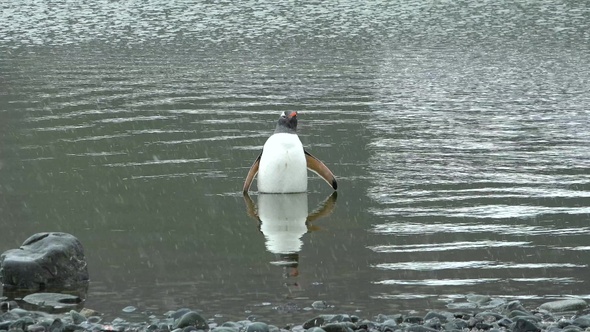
(86, 312)
(489, 316)
(45, 261)
(231, 324)
(129, 309)
(478, 299)
(257, 327)
(572, 328)
(389, 325)
(191, 318)
(515, 305)
(72, 328)
(35, 328)
(414, 320)
(225, 329)
(5, 325)
(319, 305)
(443, 316)
(462, 305)
(420, 328)
(316, 329)
(314, 322)
(455, 325)
(56, 326)
(94, 319)
(433, 323)
(22, 323)
(516, 313)
(582, 321)
(52, 300)
(189, 329)
(564, 305)
(524, 325)
(337, 327)
(505, 322)
(178, 313)
(77, 318)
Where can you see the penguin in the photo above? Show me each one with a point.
(282, 166)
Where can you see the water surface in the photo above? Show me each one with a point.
(459, 134)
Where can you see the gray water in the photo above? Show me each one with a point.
(459, 133)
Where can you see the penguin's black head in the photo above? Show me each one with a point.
(287, 122)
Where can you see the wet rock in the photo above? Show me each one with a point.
(336, 327)
(478, 299)
(257, 327)
(443, 316)
(413, 320)
(420, 328)
(319, 305)
(314, 322)
(191, 318)
(45, 261)
(225, 329)
(52, 300)
(524, 325)
(316, 329)
(77, 318)
(582, 321)
(564, 305)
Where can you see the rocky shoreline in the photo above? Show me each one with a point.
(484, 314)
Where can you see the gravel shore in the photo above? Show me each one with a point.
(482, 314)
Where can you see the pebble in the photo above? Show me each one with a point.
(510, 316)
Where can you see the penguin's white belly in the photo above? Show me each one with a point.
(283, 168)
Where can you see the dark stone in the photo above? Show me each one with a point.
(191, 318)
(22, 323)
(258, 327)
(516, 313)
(443, 316)
(5, 325)
(515, 305)
(314, 322)
(45, 261)
(524, 325)
(77, 318)
(420, 328)
(337, 327)
(433, 323)
(504, 322)
(226, 329)
(56, 326)
(414, 320)
(456, 324)
(72, 328)
(582, 321)
(572, 328)
(489, 316)
(316, 329)
(189, 329)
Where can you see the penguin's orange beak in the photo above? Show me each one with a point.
(293, 114)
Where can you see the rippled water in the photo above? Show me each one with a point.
(459, 133)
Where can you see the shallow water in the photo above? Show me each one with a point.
(459, 135)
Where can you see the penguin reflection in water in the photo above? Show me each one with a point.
(282, 165)
(283, 220)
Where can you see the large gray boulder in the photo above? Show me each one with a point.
(45, 261)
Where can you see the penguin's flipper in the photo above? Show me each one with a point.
(251, 174)
(318, 167)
